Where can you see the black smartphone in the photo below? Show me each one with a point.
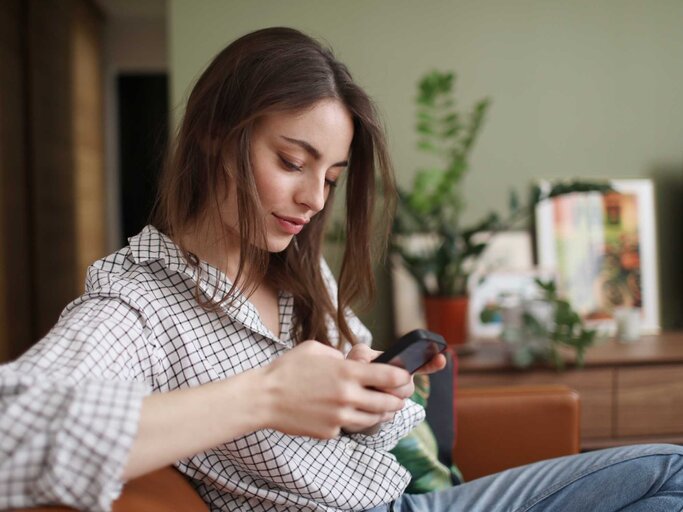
(413, 350)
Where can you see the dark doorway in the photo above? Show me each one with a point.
(143, 138)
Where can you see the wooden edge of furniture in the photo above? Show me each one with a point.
(164, 490)
(500, 428)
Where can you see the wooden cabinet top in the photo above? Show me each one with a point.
(665, 348)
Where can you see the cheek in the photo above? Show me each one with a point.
(270, 187)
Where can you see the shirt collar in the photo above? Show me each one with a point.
(152, 245)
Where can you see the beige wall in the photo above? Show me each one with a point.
(579, 88)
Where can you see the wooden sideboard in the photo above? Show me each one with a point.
(630, 393)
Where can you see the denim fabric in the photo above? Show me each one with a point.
(635, 478)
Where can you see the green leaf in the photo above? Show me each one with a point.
(425, 128)
(425, 145)
(513, 201)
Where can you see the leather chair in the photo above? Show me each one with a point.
(502, 428)
(497, 428)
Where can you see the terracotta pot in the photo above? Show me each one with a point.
(448, 317)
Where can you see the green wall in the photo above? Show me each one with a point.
(579, 88)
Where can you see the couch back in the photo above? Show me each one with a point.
(441, 407)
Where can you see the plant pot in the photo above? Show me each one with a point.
(448, 317)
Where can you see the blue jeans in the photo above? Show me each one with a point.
(635, 478)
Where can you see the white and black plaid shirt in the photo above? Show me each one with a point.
(69, 407)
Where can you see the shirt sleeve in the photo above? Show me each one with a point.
(69, 408)
(392, 431)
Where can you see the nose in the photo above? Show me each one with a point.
(312, 193)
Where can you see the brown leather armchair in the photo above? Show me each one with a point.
(497, 428)
(506, 427)
(165, 490)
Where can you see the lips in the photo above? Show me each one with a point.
(291, 225)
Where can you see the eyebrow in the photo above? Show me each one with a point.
(313, 151)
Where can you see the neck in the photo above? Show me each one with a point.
(211, 244)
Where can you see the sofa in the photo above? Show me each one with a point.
(493, 429)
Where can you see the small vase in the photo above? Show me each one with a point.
(448, 317)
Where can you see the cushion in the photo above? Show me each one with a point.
(420, 452)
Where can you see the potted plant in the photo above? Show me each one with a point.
(427, 231)
(428, 235)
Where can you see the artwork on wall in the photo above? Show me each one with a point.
(602, 249)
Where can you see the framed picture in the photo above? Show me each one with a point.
(602, 249)
(506, 251)
(497, 290)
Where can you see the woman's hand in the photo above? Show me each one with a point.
(365, 354)
(314, 391)
(436, 363)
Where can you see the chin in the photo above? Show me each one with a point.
(280, 244)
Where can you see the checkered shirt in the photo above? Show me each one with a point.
(69, 407)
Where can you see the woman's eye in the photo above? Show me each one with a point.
(290, 165)
(331, 183)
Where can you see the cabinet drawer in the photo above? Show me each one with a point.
(593, 385)
(649, 401)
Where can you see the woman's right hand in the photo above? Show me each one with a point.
(313, 391)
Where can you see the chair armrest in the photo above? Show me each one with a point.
(165, 490)
(500, 428)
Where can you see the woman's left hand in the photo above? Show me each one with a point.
(436, 363)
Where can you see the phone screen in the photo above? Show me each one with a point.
(413, 350)
(416, 355)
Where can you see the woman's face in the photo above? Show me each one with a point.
(296, 160)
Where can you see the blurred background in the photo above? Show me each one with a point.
(91, 89)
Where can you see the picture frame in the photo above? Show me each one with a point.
(603, 250)
(505, 251)
(497, 290)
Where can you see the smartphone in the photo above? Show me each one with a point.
(413, 350)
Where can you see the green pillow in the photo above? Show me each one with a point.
(417, 452)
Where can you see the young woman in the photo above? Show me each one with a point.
(215, 340)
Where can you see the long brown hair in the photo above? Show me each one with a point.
(267, 71)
